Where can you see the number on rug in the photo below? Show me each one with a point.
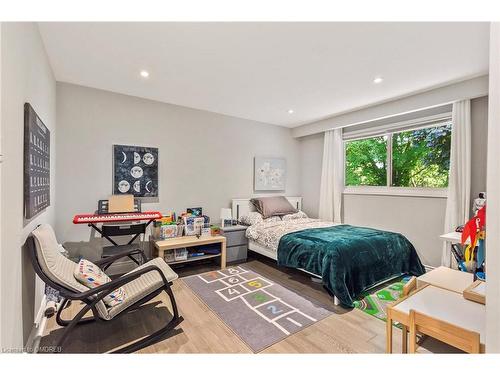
(274, 310)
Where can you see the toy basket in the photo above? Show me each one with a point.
(164, 232)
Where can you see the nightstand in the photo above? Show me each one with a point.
(236, 242)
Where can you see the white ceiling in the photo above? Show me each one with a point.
(259, 71)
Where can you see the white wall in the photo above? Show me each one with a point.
(471, 88)
(493, 210)
(421, 220)
(1, 159)
(205, 158)
(479, 145)
(425, 223)
(311, 158)
(26, 77)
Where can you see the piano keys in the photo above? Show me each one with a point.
(116, 217)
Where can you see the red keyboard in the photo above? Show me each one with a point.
(109, 218)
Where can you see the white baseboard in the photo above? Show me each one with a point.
(38, 328)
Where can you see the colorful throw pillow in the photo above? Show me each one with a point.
(298, 215)
(251, 218)
(90, 275)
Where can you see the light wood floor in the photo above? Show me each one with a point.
(345, 331)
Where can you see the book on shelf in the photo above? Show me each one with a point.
(193, 225)
(210, 249)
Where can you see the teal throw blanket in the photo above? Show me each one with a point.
(350, 259)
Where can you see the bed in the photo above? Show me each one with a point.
(241, 206)
(348, 259)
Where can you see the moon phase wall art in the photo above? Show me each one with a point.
(135, 170)
(36, 163)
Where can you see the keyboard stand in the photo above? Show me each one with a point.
(97, 229)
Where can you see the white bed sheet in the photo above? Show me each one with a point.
(268, 234)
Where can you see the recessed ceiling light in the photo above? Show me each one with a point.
(144, 74)
(378, 80)
(290, 111)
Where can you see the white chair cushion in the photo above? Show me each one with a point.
(60, 270)
(144, 285)
(90, 275)
(56, 266)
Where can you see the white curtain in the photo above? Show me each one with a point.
(458, 202)
(332, 177)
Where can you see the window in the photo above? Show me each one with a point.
(416, 158)
(366, 162)
(421, 158)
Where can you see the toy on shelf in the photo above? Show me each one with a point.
(214, 230)
(474, 230)
(169, 218)
(167, 227)
(195, 223)
(479, 202)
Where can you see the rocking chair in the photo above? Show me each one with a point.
(141, 285)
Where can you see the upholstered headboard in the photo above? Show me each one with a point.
(242, 206)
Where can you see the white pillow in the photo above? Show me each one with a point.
(272, 219)
(90, 275)
(251, 218)
(295, 216)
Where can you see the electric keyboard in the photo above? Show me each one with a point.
(109, 218)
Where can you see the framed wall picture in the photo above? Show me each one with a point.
(36, 163)
(135, 170)
(269, 174)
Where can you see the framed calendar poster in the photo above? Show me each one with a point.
(36, 163)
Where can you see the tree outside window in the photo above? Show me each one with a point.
(366, 162)
(418, 158)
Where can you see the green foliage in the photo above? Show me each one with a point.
(420, 158)
(366, 162)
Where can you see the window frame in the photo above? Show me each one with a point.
(389, 131)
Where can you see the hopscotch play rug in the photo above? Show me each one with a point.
(375, 302)
(260, 311)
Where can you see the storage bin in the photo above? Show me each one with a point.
(169, 256)
(181, 254)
